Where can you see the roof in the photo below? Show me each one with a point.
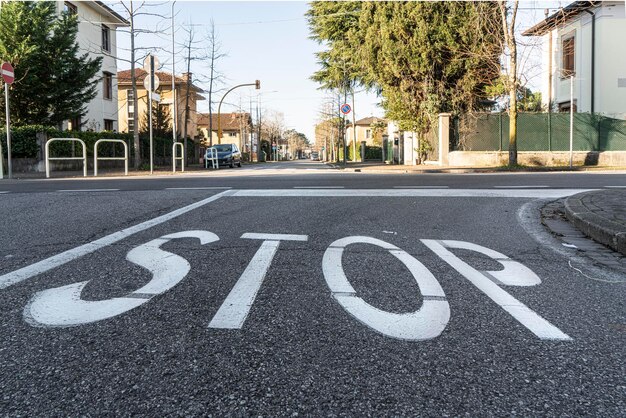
(229, 121)
(120, 20)
(165, 78)
(561, 16)
(368, 121)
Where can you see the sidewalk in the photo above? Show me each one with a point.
(380, 167)
(600, 215)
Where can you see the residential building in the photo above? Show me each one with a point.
(366, 130)
(236, 128)
(97, 25)
(585, 40)
(125, 101)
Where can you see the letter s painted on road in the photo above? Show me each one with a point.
(63, 306)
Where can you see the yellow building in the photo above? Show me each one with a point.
(236, 128)
(368, 129)
(125, 102)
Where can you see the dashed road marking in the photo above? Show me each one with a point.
(4, 192)
(198, 188)
(521, 187)
(319, 187)
(89, 190)
(421, 187)
(615, 187)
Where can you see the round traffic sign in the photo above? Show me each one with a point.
(146, 82)
(345, 109)
(8, 75)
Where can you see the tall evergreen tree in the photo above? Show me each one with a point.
(53, 81)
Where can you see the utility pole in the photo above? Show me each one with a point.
(134, 89)
(174, 114)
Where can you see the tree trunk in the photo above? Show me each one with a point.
(513, 104)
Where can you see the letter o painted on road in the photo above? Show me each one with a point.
(426, 323)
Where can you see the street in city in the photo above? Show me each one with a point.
(297, 289)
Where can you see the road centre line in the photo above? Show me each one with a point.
(505, 193)
(198, 188)
(319, 187)
(50, 263)
(89, 190)
(520, 187)
(421, 187)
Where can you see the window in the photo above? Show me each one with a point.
(368, 133)
(108, 125)
(567, 60)
(107, 84)
(232, 134)
(564, 107)
(106, 38)
(74, 124)
(130, 103)
(70, 8)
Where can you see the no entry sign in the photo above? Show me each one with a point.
(8, 75)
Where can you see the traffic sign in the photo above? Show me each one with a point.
(345, 108)
(8, 75)
(146, 63)
(146, 82)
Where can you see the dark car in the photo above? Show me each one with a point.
(228, 154)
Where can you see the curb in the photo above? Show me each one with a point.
(605, 231)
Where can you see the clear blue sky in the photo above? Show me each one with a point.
(268, 41)
(263, 40)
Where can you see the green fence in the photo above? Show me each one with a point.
(539, 132)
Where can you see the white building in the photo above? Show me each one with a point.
(97, 24)
(586, 39)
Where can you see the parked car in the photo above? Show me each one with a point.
(228, 154)
(315, 156)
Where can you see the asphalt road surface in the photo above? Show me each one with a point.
(303, 291)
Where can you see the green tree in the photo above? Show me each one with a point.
(53, 81)
(421, 57)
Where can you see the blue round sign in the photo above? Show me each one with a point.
(345, 109)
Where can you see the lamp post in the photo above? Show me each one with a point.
(256, 84)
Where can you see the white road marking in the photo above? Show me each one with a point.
(63, 306)
(514, 274)
(427, 322)
(50, 263)
(236, 307)
(198, 188)
(520, 187)
(4, 192)
(421, 187)
(89, 190)
(514, 193)
(615, 187)
(319, 187)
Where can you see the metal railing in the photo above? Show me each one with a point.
(48, 158)
(211, 154)
(95, 155)
(181, 158)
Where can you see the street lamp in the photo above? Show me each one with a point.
(256, 84)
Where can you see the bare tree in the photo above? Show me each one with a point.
(512, 83)
(214, 55)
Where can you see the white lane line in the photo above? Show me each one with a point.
(55, 261)
(275, 237)
(421, 187)
(520, 187)
(4, 192)
(89, 190)
(319, 187)
(615, 187)
(198, 188)
(511, 193)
